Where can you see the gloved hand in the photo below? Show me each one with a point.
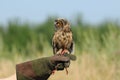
(59, 61)
(41, 69)
(62, 61)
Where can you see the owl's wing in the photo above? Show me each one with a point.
(55, 45)
(71, 47)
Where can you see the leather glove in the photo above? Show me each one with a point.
(41, 69)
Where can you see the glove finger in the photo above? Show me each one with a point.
(72, 57)
(61, 58)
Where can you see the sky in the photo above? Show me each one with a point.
(93, 11)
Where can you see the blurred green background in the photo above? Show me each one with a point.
(28, 39)
(96, 44)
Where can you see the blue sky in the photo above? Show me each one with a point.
(93, 11)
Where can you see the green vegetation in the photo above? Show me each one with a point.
(27, 38)
(97, 47)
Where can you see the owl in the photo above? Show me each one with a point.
(62, 41)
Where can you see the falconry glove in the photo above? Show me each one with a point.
(41, 69)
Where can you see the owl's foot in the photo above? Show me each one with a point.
(53, 72)
(65, 51)
(60, 51)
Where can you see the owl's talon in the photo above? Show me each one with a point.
(65, 51)
(58, 54)
(53, 72)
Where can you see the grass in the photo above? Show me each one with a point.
(97, 49)
(7, 68)
(88, 66)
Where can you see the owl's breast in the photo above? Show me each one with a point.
(63, 39)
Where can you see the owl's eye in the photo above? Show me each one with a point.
(58, 24)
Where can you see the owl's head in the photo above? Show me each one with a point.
(60, 23)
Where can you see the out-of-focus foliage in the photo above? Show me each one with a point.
(27, 38)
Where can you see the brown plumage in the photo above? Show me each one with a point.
(62, 41)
